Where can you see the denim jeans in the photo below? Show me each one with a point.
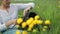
(11, 31)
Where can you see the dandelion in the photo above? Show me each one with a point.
(29, 29)
(31, 25)
(19, 20)
(18, 32)
(45, 27)
(34, 30)
(37, 17)
(34, 22)
(47, 22)
(24, 32)
(39, 22)
(24, 24)
(29, 21)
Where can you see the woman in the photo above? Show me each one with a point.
(9, 13)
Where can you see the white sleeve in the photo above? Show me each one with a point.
(23, 6)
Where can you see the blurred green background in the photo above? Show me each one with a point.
(46, 9)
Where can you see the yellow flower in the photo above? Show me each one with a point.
(39, 22)
(47, 22)
(24, 24)
(18, 32)
(29, 29)
(31, 25)
(24, 32)
(45, 27)
(37, 17)
(29, 21)
(17, 26)
(34, 22)
(34, 30)
(19, 20)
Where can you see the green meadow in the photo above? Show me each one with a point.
(47, 10)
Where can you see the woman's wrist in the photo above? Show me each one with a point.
(8, 23)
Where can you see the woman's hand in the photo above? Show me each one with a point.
(11, 22)
(27, 10)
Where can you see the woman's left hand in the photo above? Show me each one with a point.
(27, 10)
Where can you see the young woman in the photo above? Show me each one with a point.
(9, 13)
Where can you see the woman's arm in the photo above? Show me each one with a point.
(5, 26)
(23, 6)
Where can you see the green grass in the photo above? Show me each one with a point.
(48, 9)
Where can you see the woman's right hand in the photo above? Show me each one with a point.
(11, 22)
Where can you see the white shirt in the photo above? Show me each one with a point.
(13, 14)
